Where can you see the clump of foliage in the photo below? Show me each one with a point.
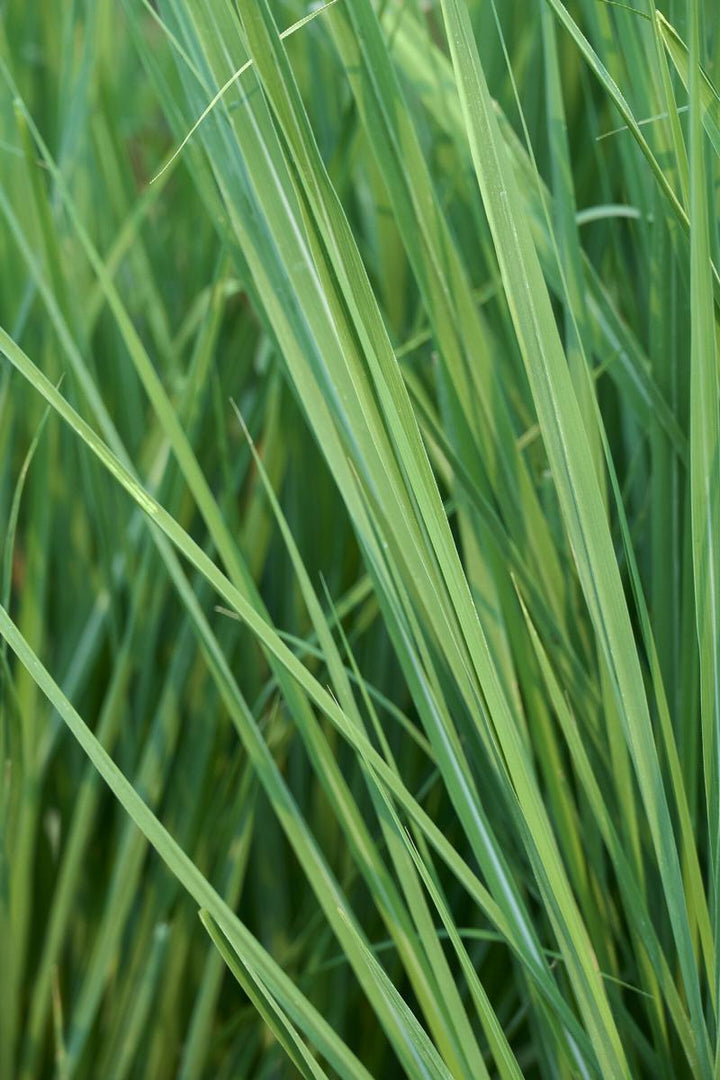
(360, 489)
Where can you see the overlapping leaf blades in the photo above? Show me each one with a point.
(562, 741)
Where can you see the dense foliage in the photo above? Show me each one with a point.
(360, 491)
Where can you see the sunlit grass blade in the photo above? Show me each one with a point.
(578, 490)
(705, 457)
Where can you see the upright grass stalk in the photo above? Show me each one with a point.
(418, 301)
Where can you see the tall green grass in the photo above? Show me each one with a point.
(360, 588)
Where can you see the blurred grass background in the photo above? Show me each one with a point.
(422, 672)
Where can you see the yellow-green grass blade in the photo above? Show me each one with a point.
(705, 453)
(437, 90)
(464, 340)
(636, 900)
(578, 490)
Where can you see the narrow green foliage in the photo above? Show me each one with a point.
(360, 586)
